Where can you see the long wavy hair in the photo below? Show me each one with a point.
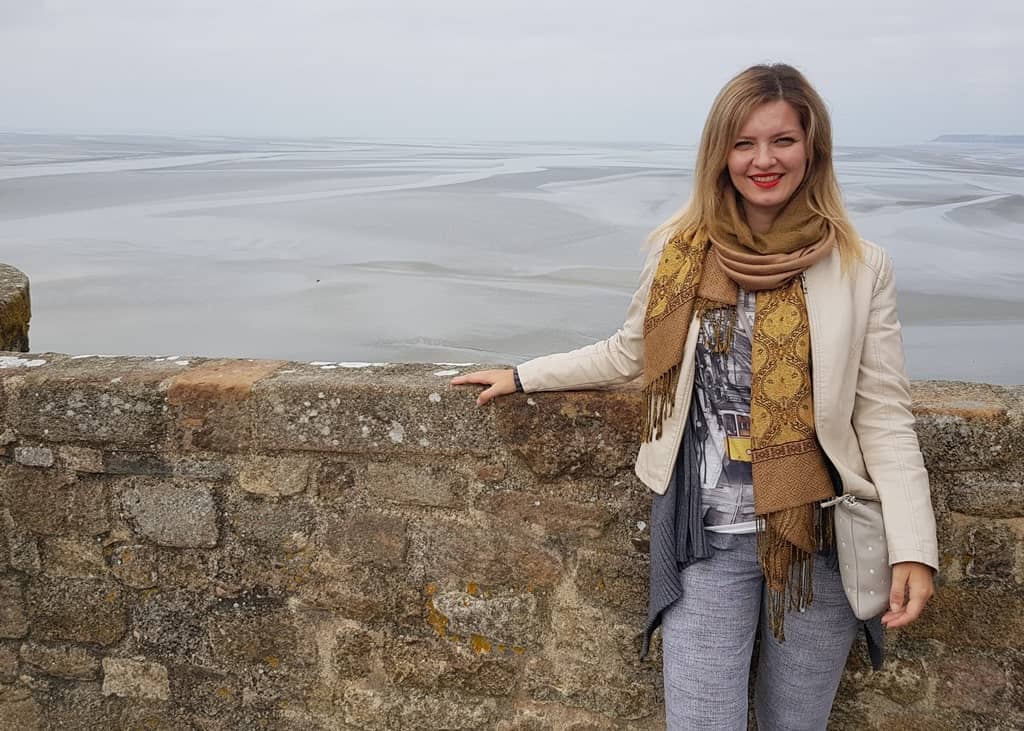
(732, 107)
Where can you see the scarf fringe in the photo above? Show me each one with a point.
(658, 399)
(797, 590)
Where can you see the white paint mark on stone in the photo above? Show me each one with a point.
(365, 431)
(424, 442)
(531, 402)
(181, 362)
(13, 361)
(321, 395)
(117, 380)
(397, 433)
(640, 525)
(446, 373)
(334, 442)
(536, 503)
(423, 428)
(435, 397)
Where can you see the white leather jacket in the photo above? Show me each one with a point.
(861, 393)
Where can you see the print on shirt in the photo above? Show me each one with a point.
(722, 391)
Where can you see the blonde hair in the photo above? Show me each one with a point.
(734, 104)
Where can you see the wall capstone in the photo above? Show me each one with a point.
(15, 309)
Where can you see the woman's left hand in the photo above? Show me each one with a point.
(912, 587)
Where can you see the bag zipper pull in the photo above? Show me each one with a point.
(847, 498)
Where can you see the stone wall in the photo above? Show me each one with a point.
(240, 544)
(15, 309)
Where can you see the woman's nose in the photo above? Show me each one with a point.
(763, 157)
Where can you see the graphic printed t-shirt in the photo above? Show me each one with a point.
(722, 395)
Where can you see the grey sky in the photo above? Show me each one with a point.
(893, 71)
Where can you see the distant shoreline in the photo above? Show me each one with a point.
(983, 139)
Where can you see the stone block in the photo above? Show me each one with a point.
(488, 553)
(368, 593)
(336, 480)
(971, 617)
(76, 610)
(18, 710)
(5, 539)
(81, 459)
(72, 556)
(415, 663)
(61, 661)
(40, 502)
(515, 621)
(257, 638)
(616, 580)
(135, 678)
(172, 515)
(351, 654)
(172, 625)
(572, 433)
(8, 663)
(249, 566)
(990, 552)
(21, 548)
(274, 476)
(369, 709)
(136, 463)
(212, 406)
(361, 412)
(972, 682)
(554, 515)
(363, 537)
(437, 485)
(953, 443)
(92, 401)
(13, 620)
(214, 470)
(34, 456)
(82, 705)
(134, 565)
(983, 495)
(278, 527)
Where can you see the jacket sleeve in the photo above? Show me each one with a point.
(618, 359)
(885, 429)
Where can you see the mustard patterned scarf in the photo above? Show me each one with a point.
(789, 473)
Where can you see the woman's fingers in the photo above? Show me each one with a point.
(481, 377)
(499, 382)
(908, 578)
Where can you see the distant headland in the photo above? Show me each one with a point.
(987, 139)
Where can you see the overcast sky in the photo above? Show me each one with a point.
(893, 71)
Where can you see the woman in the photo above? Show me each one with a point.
(767, 336)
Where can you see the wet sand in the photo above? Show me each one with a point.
(367, 251)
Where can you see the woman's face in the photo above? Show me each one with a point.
(768, 161)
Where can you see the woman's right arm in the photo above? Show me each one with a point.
(617, 359)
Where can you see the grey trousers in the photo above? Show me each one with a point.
(708, 638)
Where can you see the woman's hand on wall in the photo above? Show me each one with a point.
(499, 381)
(912, 587)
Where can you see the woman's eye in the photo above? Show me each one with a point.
(743, 144)
(785, 141)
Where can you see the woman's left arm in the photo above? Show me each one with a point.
(885, 429)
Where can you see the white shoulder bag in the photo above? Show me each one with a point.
(863, 554)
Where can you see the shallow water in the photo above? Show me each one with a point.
(370, 251)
